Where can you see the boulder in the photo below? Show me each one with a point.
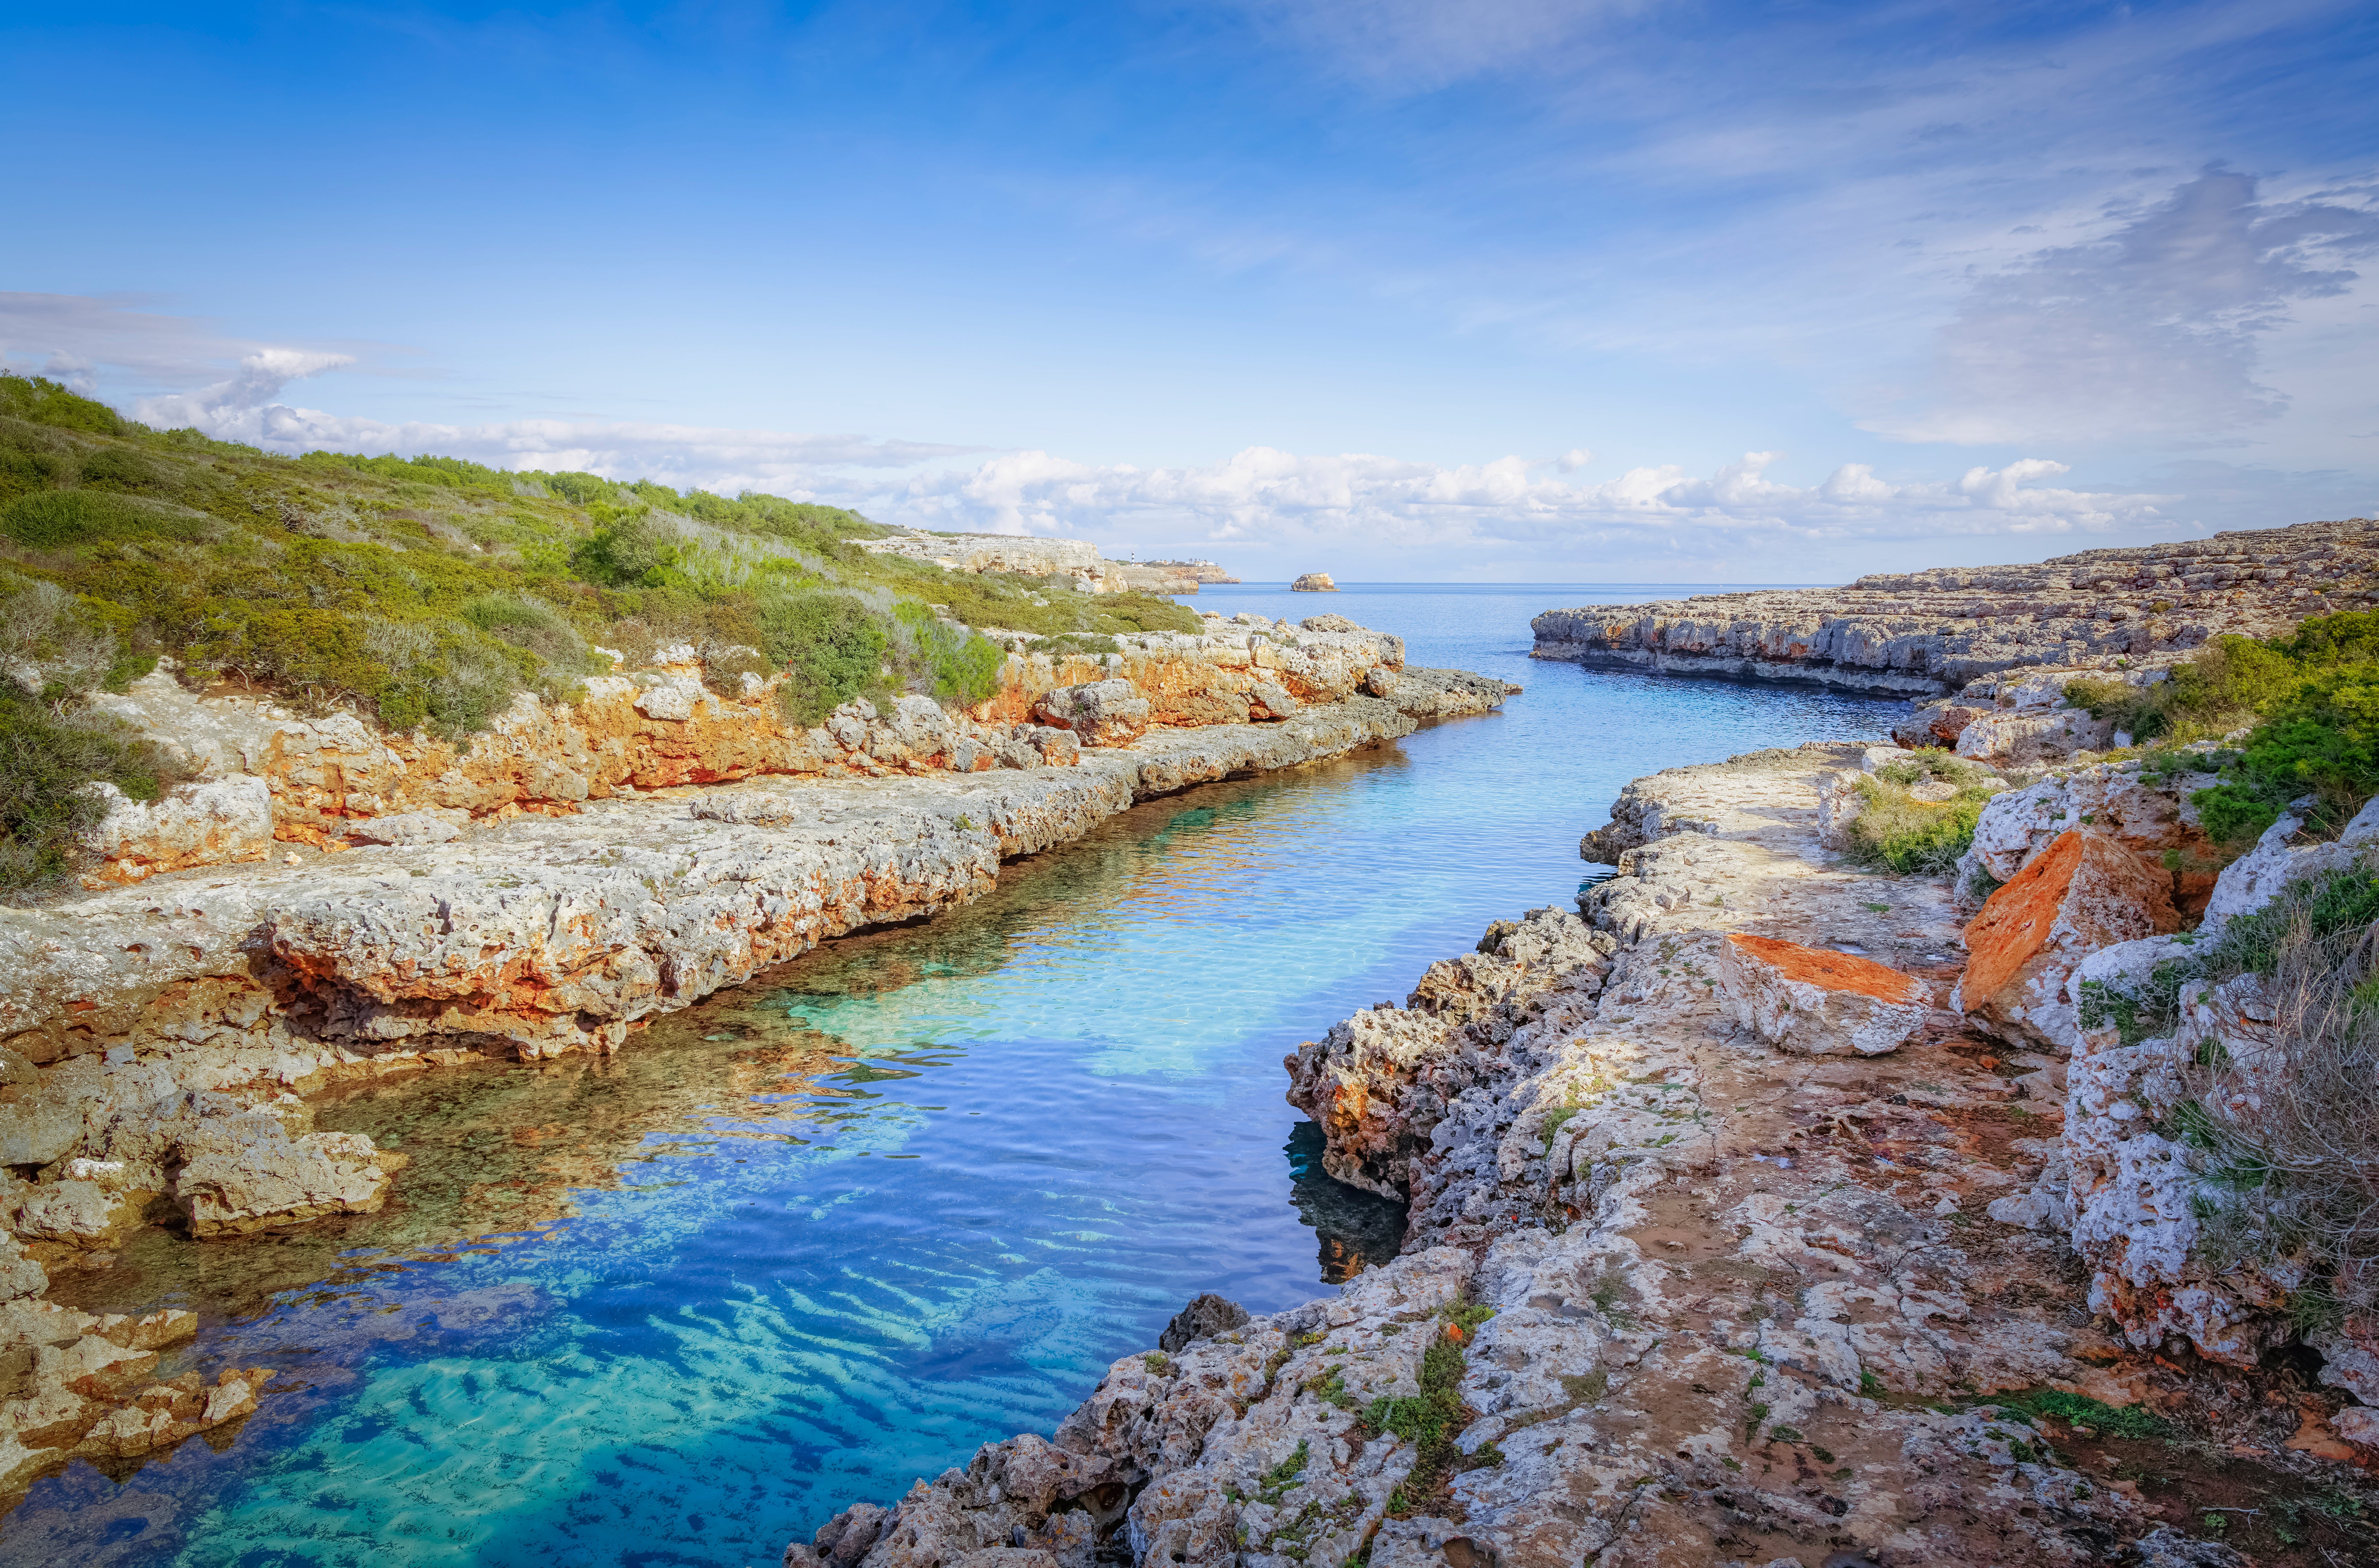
(2084, 892)
(1314, 583)
(77, 1214)
(246, 1173)
(1205, 1317)
(2018, 736)
(1052, 747)
(19, 1277)
(1816, 1002)
(2148, 815)
(2252, 880)
(1939, 723)
(1098, 713)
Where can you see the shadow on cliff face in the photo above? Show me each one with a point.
(1359, 1230)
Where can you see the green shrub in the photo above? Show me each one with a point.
(543, 631)
(960, 665)
(832, 645)
(1066, 644)
(1913, 837)
(2322, 741)
(47, 761)
(443, 678)
(2313, 699)
(630, 553)
(43, 402)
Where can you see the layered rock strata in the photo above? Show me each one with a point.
(1168, 577)
(1932, 632)
(270, 775)
(1748, 1306)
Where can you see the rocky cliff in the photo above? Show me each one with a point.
(1930, 632)
(328, 903)
(1732, 1241)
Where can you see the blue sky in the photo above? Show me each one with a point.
(1504, 291)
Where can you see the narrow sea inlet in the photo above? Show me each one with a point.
(824, 1234)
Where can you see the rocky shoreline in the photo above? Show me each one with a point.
(391, 904)
(1928, 633)
(1766, 1210)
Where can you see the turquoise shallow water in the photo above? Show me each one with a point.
(827, 1233)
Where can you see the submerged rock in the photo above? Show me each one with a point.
(246, 1173)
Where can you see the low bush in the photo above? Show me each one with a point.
(2312, 699)
(2283, 1119)
(48, 762)
(962, 666)
(50, 520)
(1897, 832)
(833, 648)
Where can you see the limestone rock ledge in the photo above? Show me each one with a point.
(1723, 1275)
(85, 1385)
(1928, 633)
(155, 1038)
(268, 774)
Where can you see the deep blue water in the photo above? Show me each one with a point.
(827, 1233)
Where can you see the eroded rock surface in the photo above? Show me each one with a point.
(2083, 892)
(1748, 1305)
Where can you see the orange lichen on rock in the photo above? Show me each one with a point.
(1833, 971)
(2083, 892)
(1817, 1001)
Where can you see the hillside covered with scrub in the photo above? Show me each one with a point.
(426, 593)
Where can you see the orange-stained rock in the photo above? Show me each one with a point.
(1817, 1001)
(2086, 892)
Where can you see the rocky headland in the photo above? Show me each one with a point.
(326, 903)
(1932, 632)
(1775, 1208)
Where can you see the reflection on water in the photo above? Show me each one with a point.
(1359, 1230)
(824, 1234)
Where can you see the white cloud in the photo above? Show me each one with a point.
(1369, 514)
(245, 408)
(2150, 332)
(1382, 505)
(1260, 499)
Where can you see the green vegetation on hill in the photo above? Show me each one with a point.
(426, 593)
(2310, 702)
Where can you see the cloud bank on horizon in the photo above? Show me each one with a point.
(1508, 289)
